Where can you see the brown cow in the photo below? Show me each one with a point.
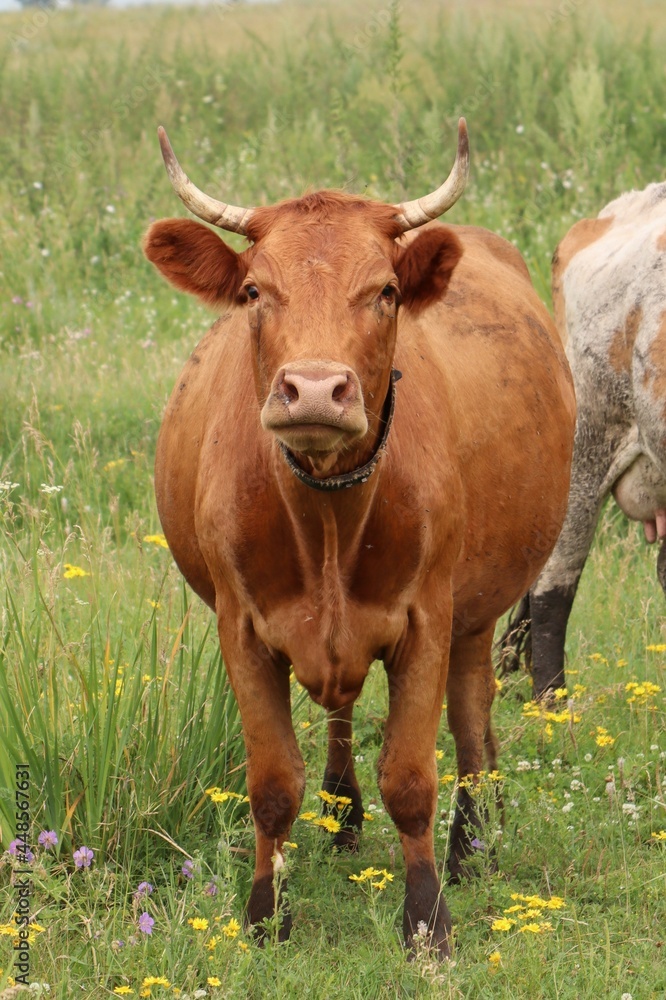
(332, 518)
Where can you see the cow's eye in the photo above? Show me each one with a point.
(252, 292)
(388, 293)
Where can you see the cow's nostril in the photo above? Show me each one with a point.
(340, 391)
(290, 391)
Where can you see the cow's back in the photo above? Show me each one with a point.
(609, 294)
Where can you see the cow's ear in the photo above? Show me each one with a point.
(424, 267)
(195, 260)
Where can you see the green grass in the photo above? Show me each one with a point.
(110, 682)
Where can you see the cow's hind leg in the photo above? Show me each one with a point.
(275, 769)
(552, 595)
(340, 780)
(470, 691)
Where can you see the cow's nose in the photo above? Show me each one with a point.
(313, 391)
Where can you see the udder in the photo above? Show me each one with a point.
(641, 494)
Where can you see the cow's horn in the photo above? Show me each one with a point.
(415, 213)
(229, 217)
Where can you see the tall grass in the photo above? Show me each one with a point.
(111, 686)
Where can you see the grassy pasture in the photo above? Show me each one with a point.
(110, 681)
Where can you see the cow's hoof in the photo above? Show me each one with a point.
(426, 922)
(346, 840)
(262, 914)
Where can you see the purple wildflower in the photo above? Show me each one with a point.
(83, 857)
(143, 889)
(18, 848)
(188, 869)
(478, 845)
(146, 923)
(48, 838)
(211, 889)
(17, 300)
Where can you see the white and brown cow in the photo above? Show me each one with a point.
(331, 519)
(609, 297)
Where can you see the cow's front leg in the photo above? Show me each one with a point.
(340, 779)
(275, 769)
(408, 776)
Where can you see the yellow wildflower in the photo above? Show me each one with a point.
(659, 836)
(640, 693)
(561, 693)
(213, 981)
(156, 540)
(198, 923)
(514, 909)
(242, 946)
(328, 823)
(123, 991)
(212, 942)
(370, 873)
(604, 740)
(155, 981)
(498, 687)
(370, 818)
(531, 928)
(554, 903)
(622, 663)
(308, 816)
(327, 797)
(446, 779)
(495, 959)
(439, 754)
(502, 924)
(71, 572)
(290, 843)
(659, 647)
(342, 800)
(305, 725)
(232, 929)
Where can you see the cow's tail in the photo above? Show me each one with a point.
(516, 640)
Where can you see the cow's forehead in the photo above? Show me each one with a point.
(331, 217)
(333, 257)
